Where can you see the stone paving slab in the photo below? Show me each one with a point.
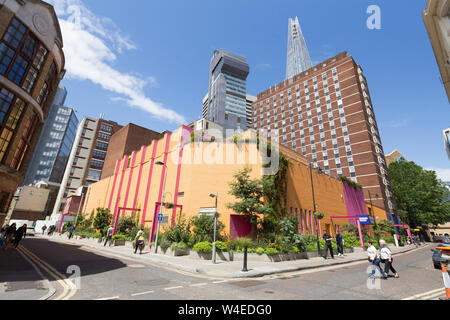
(224, 269)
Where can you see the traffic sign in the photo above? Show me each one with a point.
(364, 219)
(208, 210)
(372, 219)
(160, 217)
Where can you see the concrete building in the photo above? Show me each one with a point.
(126, 140)
(55, 142)
(226, 102)
(86, 159)
(437, 21)
(298, 59)
(326, 114)
(192, 173)
(30, 203)
(31, 67)
(395, 156)
(447, 141)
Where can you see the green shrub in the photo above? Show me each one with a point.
(204, 247)
(271, 251)
(179, 246)
(180, 232)
(191, 241)
(97, 235)
(350, 240)
(203, 229)
(259, 251)
(221, 246)
(164, 243)
(125, 226)
(119, 237)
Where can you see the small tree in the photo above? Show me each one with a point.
(250, 194)
(203, 229)
(102, 220)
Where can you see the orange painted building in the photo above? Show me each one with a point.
(195, 170)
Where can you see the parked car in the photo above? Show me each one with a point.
(437, 255)
(30, 231)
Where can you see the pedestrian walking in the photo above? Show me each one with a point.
(140, 241)
(71, 230)
(20, 233)
(43, 229)
(9, 235)
(3, 235)
(340, 244)
(386, 258)
(109, 235)
(328, 245)
(374, 259)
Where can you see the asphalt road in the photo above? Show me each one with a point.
(114, 277)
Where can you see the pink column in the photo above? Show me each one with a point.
(136, 192)
(130, 177)
(163, 172)
(116, 211)
(149, 180)
(116, 173)
(320, 229)
(303, 221)
(360, 233)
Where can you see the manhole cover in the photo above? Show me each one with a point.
(247, 283)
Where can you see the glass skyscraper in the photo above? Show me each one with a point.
(55, 142)
(227, 96)
(298, 59)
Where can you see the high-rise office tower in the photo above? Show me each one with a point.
(298, 59)
(447, 141)
(31, 67)
(326, 114)
(86, 159)
(53, 148)
(227, 96)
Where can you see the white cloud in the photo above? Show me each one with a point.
(442, 173)
(90, 43)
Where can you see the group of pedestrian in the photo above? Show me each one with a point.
(329, 247)
(50, 231)
(384, 256)
(12, 235)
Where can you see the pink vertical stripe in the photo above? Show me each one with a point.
(116, 212)
(130, 176)
(185, 134)
(320, 229)
(149, 180)
(161, 184)
(116, 173)
(136, 193)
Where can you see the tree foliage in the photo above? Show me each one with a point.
(102, 220)
(419, 195)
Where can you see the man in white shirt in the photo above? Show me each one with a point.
(109, 235)
(386, 258)
(374, 259)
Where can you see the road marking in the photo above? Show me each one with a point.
(110, 298)
(172, 288)
(434, 296)
(198, 284)
(142, 293)
(421, 295)
(67, 284)
(61, 283)
(221, 281)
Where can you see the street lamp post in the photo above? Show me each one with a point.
(216, 215)
(314, 204)
(160, 163)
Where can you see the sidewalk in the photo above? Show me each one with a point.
(223, 269)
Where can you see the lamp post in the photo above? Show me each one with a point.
(314, 204)
(160, 163)
(216, 214)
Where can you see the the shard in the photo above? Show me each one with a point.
(298, 59)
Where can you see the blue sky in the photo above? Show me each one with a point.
(148, 62)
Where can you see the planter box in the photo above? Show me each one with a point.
(119, 243)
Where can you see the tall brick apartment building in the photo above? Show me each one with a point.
(31, 67)
(325, 113)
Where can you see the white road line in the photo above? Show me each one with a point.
(419, 296)
(434, 296)
(142, 293)
(198, 284)
(172, 288)
(222, 281)
(110, 298)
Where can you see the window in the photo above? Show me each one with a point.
(6, 56)
(25, 142)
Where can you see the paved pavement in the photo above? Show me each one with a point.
(118, 274)
(227, 269)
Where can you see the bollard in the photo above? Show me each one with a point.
(244, 269)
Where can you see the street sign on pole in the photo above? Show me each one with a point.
(364, 219)
(160, 217)
(208, 210)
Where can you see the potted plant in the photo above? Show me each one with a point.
(169, 205)
(119, 240)
(319, 215)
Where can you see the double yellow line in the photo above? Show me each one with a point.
(69, 288)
